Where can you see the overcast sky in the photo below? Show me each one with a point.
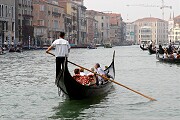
(133, 13)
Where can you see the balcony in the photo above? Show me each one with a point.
(56, 14)
(26, 16)
(57, 29)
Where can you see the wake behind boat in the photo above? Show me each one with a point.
(74, 90)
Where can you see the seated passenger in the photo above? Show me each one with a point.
(84, 80)
(165, 56)
(90, 73)
(100, 71)
(82, 72)
(175, 55)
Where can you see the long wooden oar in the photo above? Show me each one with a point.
(50, 53)
(152, 99)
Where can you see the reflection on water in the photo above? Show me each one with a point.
(72, 109)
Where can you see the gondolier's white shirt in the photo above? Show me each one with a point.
(61, 47)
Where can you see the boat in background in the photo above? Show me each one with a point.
(143, 48)
(151, 50)
(108, 45)
(167, 60)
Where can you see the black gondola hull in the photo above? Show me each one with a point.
(143, 48)
(167, 60)
(151, 51)
(75, 90)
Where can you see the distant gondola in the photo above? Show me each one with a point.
(168, 60)
(91, 47)
(143, 48)
(151, 51)
(74, 90)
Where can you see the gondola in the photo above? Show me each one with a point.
(143, 48)
(151, 51)
(74, 90)
(168, 60)
(91, 47)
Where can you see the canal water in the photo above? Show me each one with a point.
(28, 92)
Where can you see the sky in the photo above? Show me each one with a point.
(130, 14)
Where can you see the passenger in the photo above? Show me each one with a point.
(84, 80)
(165, 56)
(174, 55)
(82, 72)
(100, 71)
(90, 73)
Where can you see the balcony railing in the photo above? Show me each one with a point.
(56, 14)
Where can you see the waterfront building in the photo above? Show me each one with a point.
(7, 22)
(116, 28)
(130, 32)
(48, 21)
(92, 27)
(151, 29)
(23, 22)
(103, 28)
(174, 34)
(71, 20)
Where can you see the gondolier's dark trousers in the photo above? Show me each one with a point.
(59, 65)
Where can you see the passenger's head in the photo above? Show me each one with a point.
(97, 65)
(62, 34)
(81, 70)
(92, 69)
(76, 71)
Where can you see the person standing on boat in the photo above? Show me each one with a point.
(62, 49)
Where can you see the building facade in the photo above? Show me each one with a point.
(7, 23)
(48, 21)
(71, 21)
(103, 28)
(116, 28)
(24, 29)
(174, 34)
(82, 24)
(151, 29)
(92, 27)
(130, 32)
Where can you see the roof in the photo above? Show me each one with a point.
(150, 19)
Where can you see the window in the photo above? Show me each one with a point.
(102, 25)
(56, 24)
(12, 26)
(6, 26)
(12, 11)
(6, 8)
(0, 10)
(41, 7)
(41, 22)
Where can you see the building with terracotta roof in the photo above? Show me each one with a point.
(151, 29)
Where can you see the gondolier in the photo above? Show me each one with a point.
(62, 49)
